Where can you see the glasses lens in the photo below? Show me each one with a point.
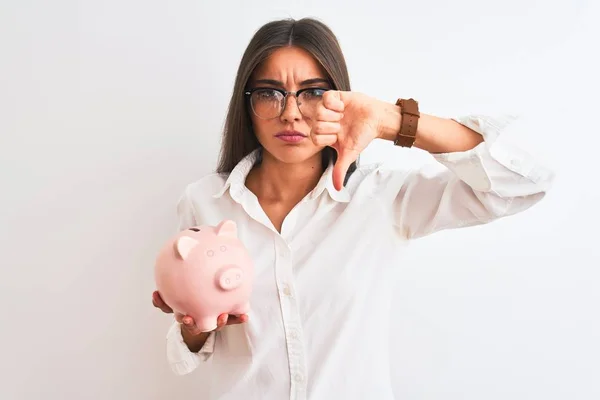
(266, 103)
(308, 102)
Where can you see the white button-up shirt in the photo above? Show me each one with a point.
(321, 303)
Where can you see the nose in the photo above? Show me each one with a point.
(291, 112)
(229, 277)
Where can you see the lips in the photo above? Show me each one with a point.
(290, 133)
(291, 136)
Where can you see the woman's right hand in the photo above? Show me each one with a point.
(187, 323)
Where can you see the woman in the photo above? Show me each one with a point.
(324, 233)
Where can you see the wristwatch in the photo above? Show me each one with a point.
(409, 109)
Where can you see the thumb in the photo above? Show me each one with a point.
(345, 159)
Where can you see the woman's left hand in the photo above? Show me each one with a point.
(348, 122)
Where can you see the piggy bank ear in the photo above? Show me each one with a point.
(184, 245)
(227, 228)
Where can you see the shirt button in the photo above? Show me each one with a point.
(294, 335)
(287, 291)
(298, 378)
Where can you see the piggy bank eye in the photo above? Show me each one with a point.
(194, 229)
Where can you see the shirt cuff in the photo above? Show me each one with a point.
(495, 164)
(181, 360)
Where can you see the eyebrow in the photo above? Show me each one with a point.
(307, 82)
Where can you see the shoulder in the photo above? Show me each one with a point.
(199, 199)
(202, 190)
(206, 186)
(386, 180)
(377, 175)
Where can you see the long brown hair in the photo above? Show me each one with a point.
(307, 33)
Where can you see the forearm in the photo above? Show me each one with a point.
(434, 134)
(194, 342)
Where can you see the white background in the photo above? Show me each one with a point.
(108, 108)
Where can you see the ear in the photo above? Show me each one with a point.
(227, 228)
(184, 245)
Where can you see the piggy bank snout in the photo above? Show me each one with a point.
(229, 277)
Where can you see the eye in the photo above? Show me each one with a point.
(194, 229)
(313, 93)
(267, 94)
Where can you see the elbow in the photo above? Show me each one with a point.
(516, 198)
(498, 207)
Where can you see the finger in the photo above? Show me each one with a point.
(237, 319)
(158, 302)
(222, 321)
(332, 100)
(324, 140)
(326, 128)
(189, 325)
(325, 114)
(179, 317)
(325, 133)
(186, 320)
(156, 299)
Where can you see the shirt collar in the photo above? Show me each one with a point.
(235, 182)
(326, 183)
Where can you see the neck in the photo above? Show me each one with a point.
(275, 181)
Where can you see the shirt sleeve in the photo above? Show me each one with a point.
(493, 180)
(185, 211)
(181, 360)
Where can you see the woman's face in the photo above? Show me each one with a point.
(283, 131)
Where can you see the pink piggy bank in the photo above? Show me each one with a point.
(205, 271)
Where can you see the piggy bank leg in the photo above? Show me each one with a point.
(207, 324)
(241, 309)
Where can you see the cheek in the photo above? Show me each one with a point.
(263, 128)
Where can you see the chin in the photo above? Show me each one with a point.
(293, 154)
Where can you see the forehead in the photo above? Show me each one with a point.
(289, 62)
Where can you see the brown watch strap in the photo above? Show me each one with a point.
(409, 109)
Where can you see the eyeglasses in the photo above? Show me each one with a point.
(269, 103)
